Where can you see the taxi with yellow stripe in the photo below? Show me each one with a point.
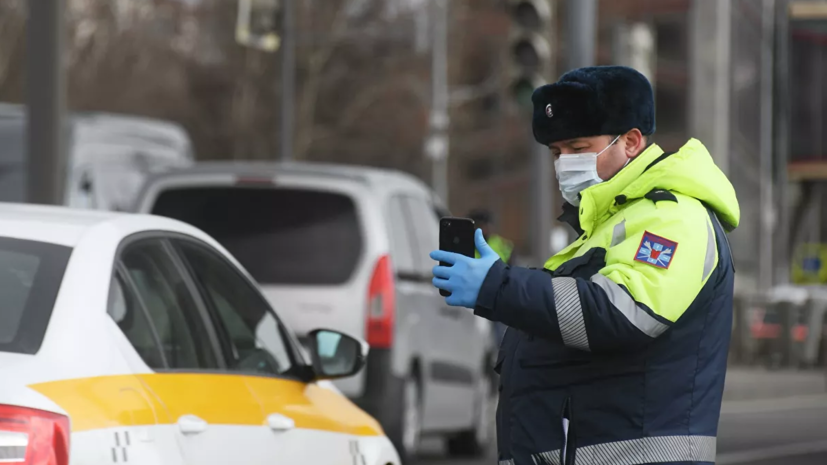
(133, 339)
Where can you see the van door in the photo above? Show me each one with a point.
(417, 325)
(450, 369)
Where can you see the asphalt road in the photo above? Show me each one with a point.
(771, 432)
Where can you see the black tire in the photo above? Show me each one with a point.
(406, 447)
(464, 445)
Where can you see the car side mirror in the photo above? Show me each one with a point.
(336, 355)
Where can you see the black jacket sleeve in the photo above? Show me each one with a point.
(576, 312)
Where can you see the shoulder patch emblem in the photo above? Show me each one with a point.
(656, 251)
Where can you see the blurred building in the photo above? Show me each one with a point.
(750, 86)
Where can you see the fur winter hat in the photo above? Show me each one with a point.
(593, 101)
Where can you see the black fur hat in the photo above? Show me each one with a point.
(593, 101)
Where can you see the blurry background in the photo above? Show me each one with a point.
(363, 88)
(437, 88)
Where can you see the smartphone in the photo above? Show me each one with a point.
(456, 235)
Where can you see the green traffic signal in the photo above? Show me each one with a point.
(521, 91)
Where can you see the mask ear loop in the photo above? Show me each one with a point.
(611, 144)
(628, 160)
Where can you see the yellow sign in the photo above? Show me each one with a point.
(808, 264)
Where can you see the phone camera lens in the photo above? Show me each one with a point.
(456, 241)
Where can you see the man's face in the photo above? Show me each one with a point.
(613, 158)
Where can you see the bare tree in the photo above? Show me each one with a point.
(12, 31)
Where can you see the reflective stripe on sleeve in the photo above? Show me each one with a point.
(570, 313)
(624, 303)
(711, 252)
(547, 458)
(661, 449)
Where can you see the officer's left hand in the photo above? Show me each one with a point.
(465, 277)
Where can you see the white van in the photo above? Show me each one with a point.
(108, 156)
(347, 248)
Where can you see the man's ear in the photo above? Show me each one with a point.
(635, 143)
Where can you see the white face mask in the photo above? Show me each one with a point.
(576, 172)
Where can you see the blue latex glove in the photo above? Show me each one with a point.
(465, 277)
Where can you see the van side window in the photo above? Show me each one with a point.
(426, 229)
(402, 239)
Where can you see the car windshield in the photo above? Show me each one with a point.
(30, 276)
(280, 235)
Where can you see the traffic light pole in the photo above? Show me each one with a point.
(543, 204)
(46, 98)
(288, 78)
(582, 19)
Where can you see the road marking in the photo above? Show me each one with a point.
(774, 405)
(770, 453)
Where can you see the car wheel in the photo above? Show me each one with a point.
(407, 429)
(476, 441)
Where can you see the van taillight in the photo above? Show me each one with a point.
(381, 306)
(30, 437)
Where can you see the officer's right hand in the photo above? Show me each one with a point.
(465, 277)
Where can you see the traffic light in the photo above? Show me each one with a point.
(529, 47)
(258, 23)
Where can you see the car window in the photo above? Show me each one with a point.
(161, 289)
(402, 238)
(125, 310)
(30, 276)
(426, 229)
(280, 235)
(253, 337)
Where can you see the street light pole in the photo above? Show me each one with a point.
(46, 98)
(288, 78)
(437, 145)
(765, 259)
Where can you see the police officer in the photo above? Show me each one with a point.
(502, 246)
(616, 351)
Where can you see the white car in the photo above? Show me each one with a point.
(347, 248)
(140, 340)
(108, 156)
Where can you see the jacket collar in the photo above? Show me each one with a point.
(571, 217)
(596, 201)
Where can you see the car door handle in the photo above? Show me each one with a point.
(191, 424)
(279, 422)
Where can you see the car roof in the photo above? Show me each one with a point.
(67, 226)
(373, 177)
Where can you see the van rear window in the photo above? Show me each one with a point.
(30, 277)
(281, 236)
